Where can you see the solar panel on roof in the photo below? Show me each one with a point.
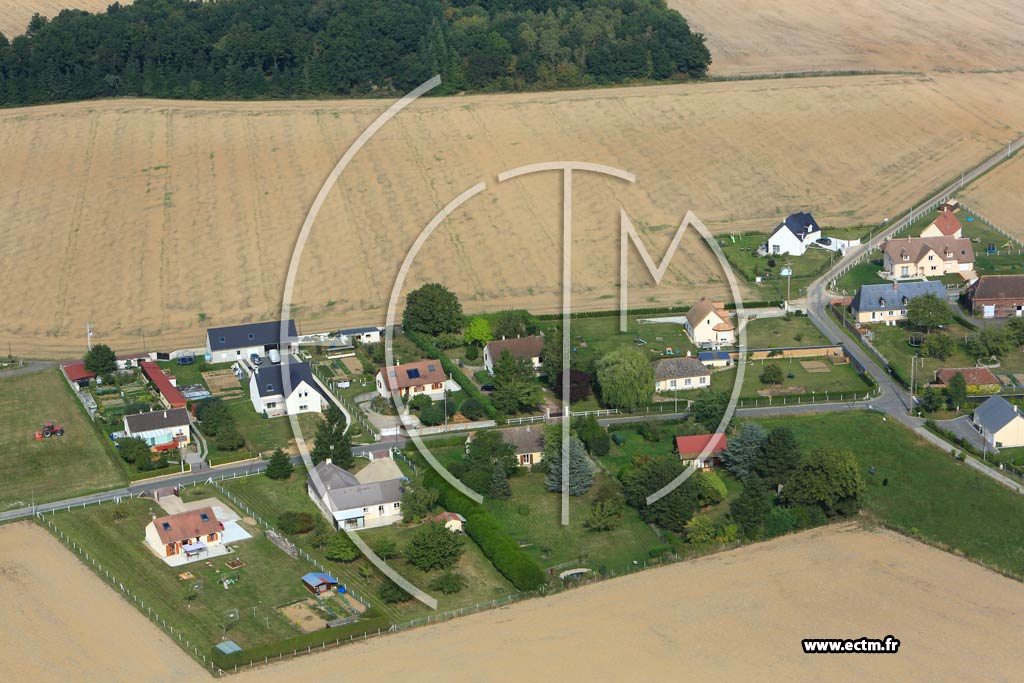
(205, 517)
(431, 367)
(413, 373)
(167, 526)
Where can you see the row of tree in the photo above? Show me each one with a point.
(317, 48)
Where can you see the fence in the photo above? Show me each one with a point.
(986, 221)
(326, 381)
(808, 399)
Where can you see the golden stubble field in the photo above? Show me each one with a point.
(999, 196)
(757, 37)
(160, 218)
(734, 616)
(15, 14)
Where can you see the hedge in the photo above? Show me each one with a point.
(427, 346)
(506, 555)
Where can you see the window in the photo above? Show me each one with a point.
(222, 340)
(304, 407)
(687, 381)
(380, 509)
(397, 505)
(672, 384)
(365, 510)
(527, 459)
(271, 404)
(251, 336)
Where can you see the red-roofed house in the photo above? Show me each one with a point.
(169, 394)
(75, 372)
(452, 521)
(946, 225)
(689, 447)
(425, 377)
(979, 380)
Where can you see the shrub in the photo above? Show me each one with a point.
(448, 340)
(448, 583)
(385, 548)
(472, 353)
(659, 550)
(434, 547)
(433, 415)
(341, 548)
(780, 521)
(473, 409)
(418, 403)
(291, 522)
(391, 593)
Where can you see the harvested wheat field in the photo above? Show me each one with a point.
(161, 218)
(738, 615)
(999, 196)
(15, 14)
(756, 37)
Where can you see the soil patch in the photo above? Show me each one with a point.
(307, 615)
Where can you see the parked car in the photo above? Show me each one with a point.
(274, 355)
(827, 241)
(256, 360)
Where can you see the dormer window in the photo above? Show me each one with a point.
(905, 302)
(881, 301)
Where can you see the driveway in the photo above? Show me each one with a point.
(963, 428)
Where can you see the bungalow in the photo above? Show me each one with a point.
(165, 386)
(917, 257)
(162, 430)
(689, 449)
(715, 359)
(362, 335)
(707, 325)
(946, 225)
(266, 390)
(888, 303)
(191, 533)
(527, 444)
(528, 348)
(997, 296)
(225, 344)
(680, 374)
(979, 380)
(453, 521)
(422, 377)
(77, 374)
(319, 583)
(794, 235)
(1000, 423)
(350, 503)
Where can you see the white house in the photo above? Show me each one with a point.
(708, 325)
(226, 344)
(794, 235)
(422, 377)
(160, 429)
(266, 391)
(680, 374)
(1000, 423)
(528, 348)
(350, 503)
(362, 335)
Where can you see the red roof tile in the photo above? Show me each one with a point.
(75, 371)
(174, 398)
(973, 376)
(693, 445)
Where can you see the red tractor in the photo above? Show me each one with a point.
(49, 429)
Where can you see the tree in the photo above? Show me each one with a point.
(498, 487)
(341, 548)
(473, 409)
(391, 593)
(751, 508)
(828, 478)
(928, 311)
(956, 391)
(579, 385)
(646, 475)
(448, 583)
(478, 331)
(228, 437)
(709, 409)
(514, 387)
(772, 374)
(626, 378)
(509, 324)
(551, 356)
(433, 414)
(486, 451)
(279, 467)
(593, 435)
(1015, 331)
(432, 309)
(990, 341)
(331, 440)
(580, 477)
(703, 529)
(606, 508)
(940, 346)
(133, 450)
(322, 533)
(433, 547)
(100, 359)
(931, 400)
(418, 501)
(779, 457)
(744, 449)
(385, 548)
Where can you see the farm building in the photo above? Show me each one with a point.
(1000, 423)
(165, 386)
(319, 583)
(350, 503)
(997, 296)
(708, 326)
(527, 348)
(190, 533)
(77, 374)
(917, 257)
(946, 225)
(680, 374)
(715, 359)
(267, 390)
(690, 447)
(161, 429)
(422, 377)
(453, 521)
(979, 380)
(362, 335)
(225, 344)
(888, 303)
(794, 235)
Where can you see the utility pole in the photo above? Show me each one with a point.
(789, 282)
(88, 336)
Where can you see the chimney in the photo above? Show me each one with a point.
(895, 285)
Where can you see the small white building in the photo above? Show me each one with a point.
(794, 235)
(680, 374)
(527, 348)
(361, 335)
(353, 504)
(266, 391)
(160, 429)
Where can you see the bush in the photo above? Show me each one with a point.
(385, 548)
(341, 548)
(473, 409)
(419, 402)
(448, 583)
(780, 521)
(659, 550)
(650, 431)
(472, 353)
(391, 593)
(291, 522)
(433, 415)
(448, 340)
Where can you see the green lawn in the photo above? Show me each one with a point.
(262, 434)
(635, 445)
(928, 492)
(81, 461)
(839, 379)
(741, 252)
(594, 337)
(772, 333)
(864, 274)
(894, 344)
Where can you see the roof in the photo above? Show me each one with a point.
(335, 477)
(700, 311)
(359, 330)
(157, 419)
(75, 371)
(319, 579)
(448, 517)
(999, 287)
(185, 525)
(170, 392)
(995, 413)
(131, 356)
(270, 379)
(228, 647)
(947, 223)
(250, 334)
(890, 297)
(344, 492)
(379, 469)
(705, 356)
(416, 374)
(913, 249)
(800, 224)
(524, 439)
(520, 347)
(693, 445)
(973, 376)
(674, 368)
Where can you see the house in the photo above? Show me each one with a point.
(362, 335)
(946, 225)
(75, 372)
(352, 504)
(453, 521)
(997, 296)
(165, 386)
(225, 344)
(690, 447)
(162, 430)
(794, 235)
(189, 533)
(422, 377)
(979, 380)
(715, 359)
(528, 348)
(888, 303)
(527, 444)
(1000, 423)
(917, 257)
(707, 325)
(266, 390)
(319, 583)
(680, 374)
(950, 205)
(130, 360)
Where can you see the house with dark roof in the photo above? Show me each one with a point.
(226, 344)
(715, 359)
(422, 377)
(708, 326)
(350, 503)
(190, 533)
(527, 348)
(794, 235)
(945, 225)
(997, 296)
(888, 303)
(918, 257)
(680, 374)
(690, 447)
(527, 443)
(267, 390)
(162, 430)
(1000, 423)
